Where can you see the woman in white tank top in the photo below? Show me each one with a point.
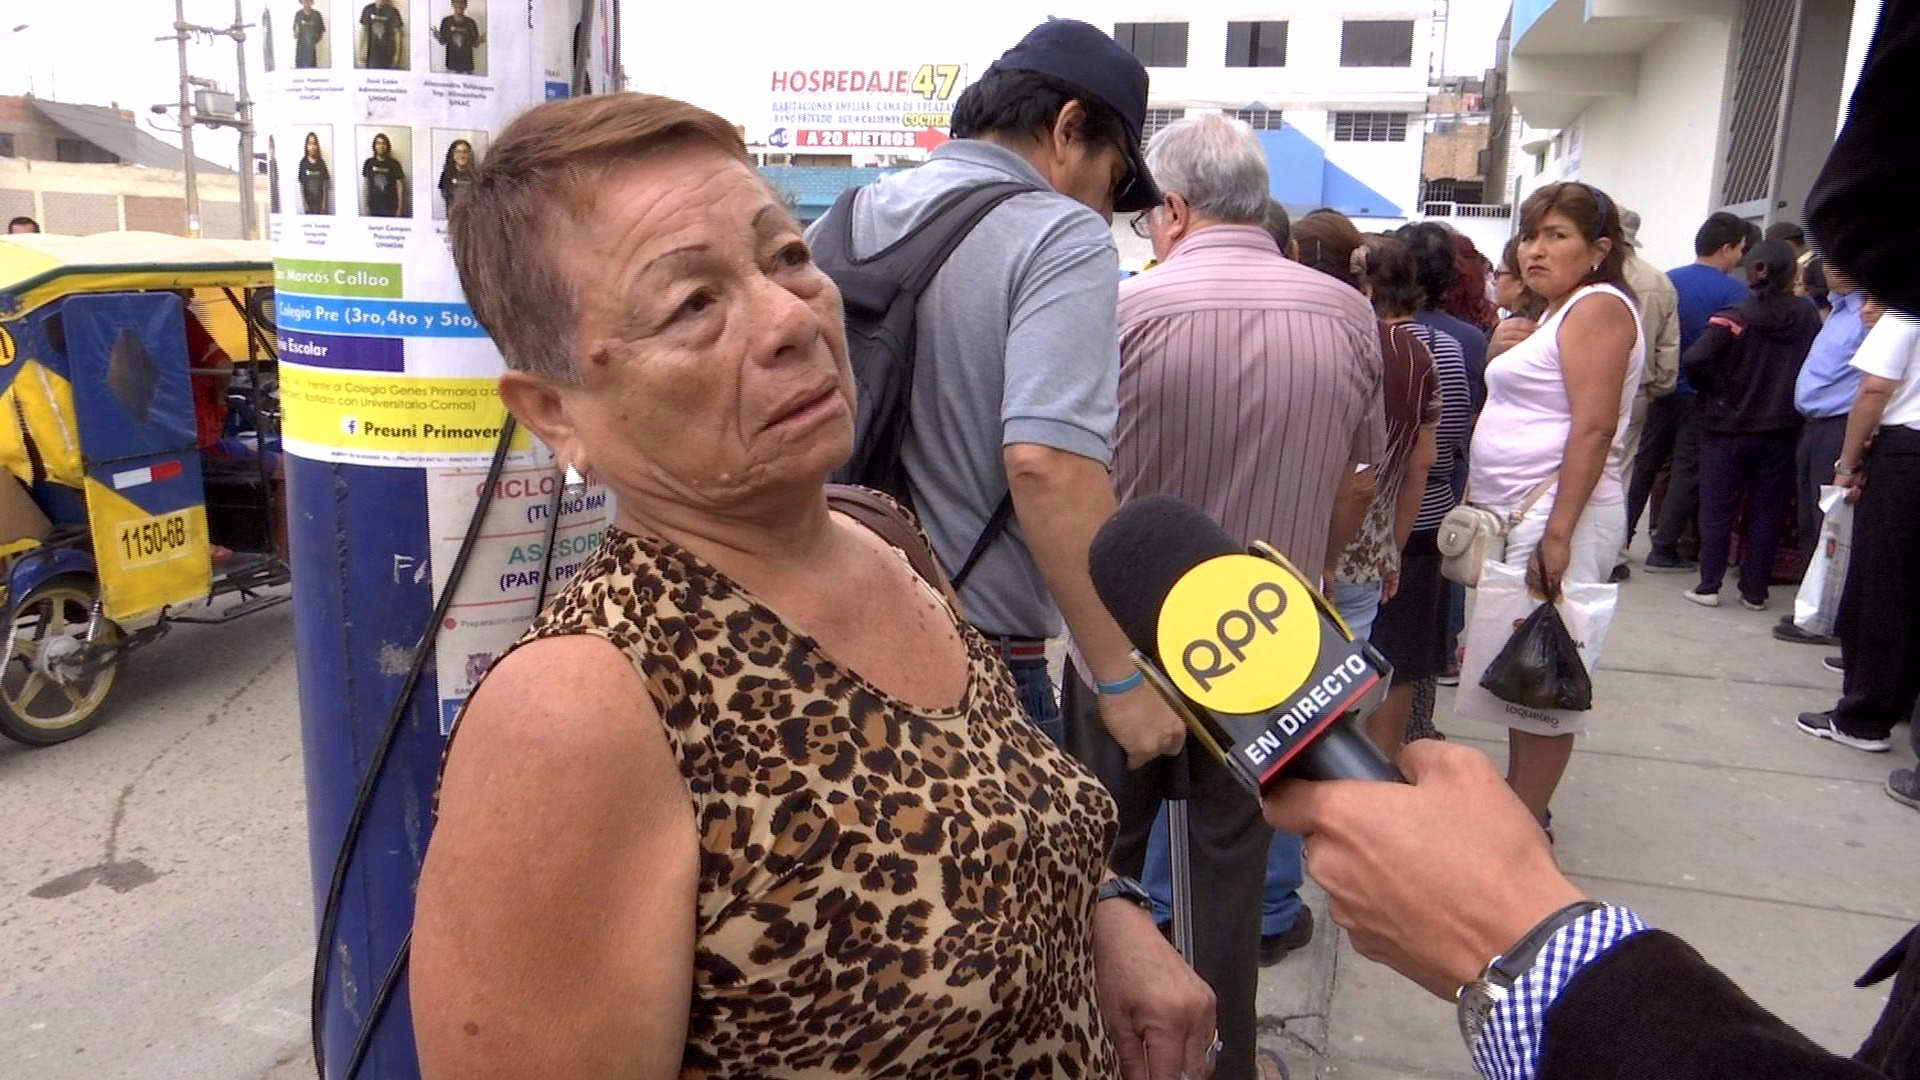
(1556, 415)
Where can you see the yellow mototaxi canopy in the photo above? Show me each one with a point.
(37, 269)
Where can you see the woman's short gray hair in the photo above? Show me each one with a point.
(1217, 163)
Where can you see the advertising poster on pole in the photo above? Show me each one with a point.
(900, 109)
(380, 112)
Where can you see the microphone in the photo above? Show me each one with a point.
(1240, 645)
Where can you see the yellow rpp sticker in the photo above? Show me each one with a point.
(1239, 634)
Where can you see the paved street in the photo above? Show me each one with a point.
(155, 910)
(154, 904)
(1695, 801)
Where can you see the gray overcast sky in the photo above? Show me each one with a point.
(103, 51)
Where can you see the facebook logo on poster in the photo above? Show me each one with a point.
(350, 425)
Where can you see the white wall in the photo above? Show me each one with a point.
(1657, 151)
(1311, 84)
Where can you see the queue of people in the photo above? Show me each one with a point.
(775, 788)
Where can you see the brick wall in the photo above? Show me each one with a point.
(147, 213)
(1454, 155)
(15, 204)
(77, 214)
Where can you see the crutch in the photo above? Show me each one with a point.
(1177, 791)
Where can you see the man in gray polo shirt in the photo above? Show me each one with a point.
(1017, 357)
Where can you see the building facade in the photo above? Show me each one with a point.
(80, 169)
(1679, 108)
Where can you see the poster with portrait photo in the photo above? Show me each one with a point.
(306, 43)
(459, 37)
(456, 154)
(308, 170)
(385, 154)
(383, 32)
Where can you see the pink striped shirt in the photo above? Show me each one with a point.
(1249, 388)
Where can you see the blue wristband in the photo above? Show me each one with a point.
(1109, 689)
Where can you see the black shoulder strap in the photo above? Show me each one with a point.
(924, 251)
(997, 524)
(912, 262)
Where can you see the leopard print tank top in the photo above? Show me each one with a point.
(884, 890)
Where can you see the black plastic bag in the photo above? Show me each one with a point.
(1540, 666)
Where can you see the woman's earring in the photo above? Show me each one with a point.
(1596, 267)
(576, 483)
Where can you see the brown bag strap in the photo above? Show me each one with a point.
(885, 519)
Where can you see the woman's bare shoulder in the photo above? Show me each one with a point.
(572, 699)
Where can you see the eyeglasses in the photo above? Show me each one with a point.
(1143, 225)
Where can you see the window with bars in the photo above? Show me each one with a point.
(1259, 119)
(1376, 43)
(1157, 119)
(1256, 44)
(1766, 28)
(1154, 44)
(1369, 127)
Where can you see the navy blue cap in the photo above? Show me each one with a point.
(1087, 59)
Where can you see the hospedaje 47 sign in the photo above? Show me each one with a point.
(833, 110)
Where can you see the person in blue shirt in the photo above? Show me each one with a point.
(1704, 287)
(1823, 394)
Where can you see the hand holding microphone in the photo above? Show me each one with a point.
(1240, 645)
(1432, 878)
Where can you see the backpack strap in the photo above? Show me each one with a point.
(905, 269)
(997, 524)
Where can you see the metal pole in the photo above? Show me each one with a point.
(187, 159)
(249, 209)
(380, 504)
(1783, 118)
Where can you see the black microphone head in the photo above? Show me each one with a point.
(1142, 550)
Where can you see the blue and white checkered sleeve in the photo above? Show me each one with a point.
(1509, 1046)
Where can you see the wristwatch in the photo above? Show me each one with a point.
(1476, 1001)
(1125, 888)
(1840, 468)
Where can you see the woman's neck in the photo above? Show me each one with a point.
(753, 545)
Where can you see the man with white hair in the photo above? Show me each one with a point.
(1249, 388)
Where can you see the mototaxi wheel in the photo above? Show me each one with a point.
(48, 694)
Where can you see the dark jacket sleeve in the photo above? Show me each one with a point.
(1651, 1007)
(1711, 349)
(1871, 175)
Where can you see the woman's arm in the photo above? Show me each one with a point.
(1596, 340)
(1413, 485)
(553, 935)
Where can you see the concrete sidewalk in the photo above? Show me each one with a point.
(1694, 800)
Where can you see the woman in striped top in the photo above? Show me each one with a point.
(1411, 628)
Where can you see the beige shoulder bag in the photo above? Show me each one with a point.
(1470, 535)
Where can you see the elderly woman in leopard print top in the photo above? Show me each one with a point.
(749, 799)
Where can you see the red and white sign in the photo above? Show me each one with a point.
(902, 108)
(858, 139)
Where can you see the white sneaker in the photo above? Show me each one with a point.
(1704, 599)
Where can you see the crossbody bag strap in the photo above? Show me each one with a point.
(882, 517)
(1539, 491)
